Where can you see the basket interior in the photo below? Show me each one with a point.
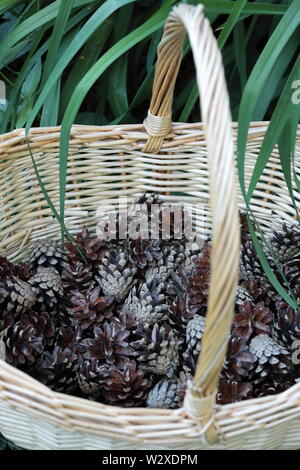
(106, 163)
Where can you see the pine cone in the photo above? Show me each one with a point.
(286, 328)
(148, 304)
(9, 270)
(170, 262)
(93, 248)
(110, 344)
(76, 276)
(286, 243)
(245, 233)
(89, 377)
(259, 290)
(271, 358)
(198, 286)
(239, 360)
(230, 392)
(58, 370)
(144, 252)
(89, 308)
(47, 253)
(252, 318)
(194, 333)
(16, 297)
(25, 341)
(47, 285)
(168, 394)
(242, 296)
(250, 266)
(158, 349)
(179, 315)
(124, 386)
(116, 275)
(292, 274)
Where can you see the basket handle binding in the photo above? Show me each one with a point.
(200, 396)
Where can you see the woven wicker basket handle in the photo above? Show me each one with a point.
(200, 397)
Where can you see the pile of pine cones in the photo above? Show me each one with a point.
(124, 327)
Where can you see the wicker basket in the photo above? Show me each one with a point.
(174, 160)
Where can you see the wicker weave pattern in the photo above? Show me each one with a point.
(108, 162)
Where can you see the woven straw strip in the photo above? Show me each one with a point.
(223, 196)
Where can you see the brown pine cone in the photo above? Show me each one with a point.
(144, 253)
(198, 286)
(9, 270)
(76, 276)
(259, 290)
(252, 318)
(25, 341)
(47, 253)
(171, 261)
(232, 391)
(148, 304)
(291, 271)
(272, 360)
(89, 308)
(239, 361)
(58, 369)
(180, 315)
(110, 344)
(116, 275)
(168, 393)
(245, 233)
(125, 385)
(242, 295)
(93, 248)
(286, 242)
(158, 350)
(89, 377)
(47, 285)
(16, 297)
(286, 327)
(194, 333)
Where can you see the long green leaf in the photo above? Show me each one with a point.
(33, 56)
(98, 17)
(8, 4)
(236, 10)
(140, 33)
(281, 114)
(59, 28)
(257, 80)
(31, 24)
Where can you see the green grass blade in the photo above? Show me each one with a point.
(281, 114)
(236, 10)
(286, 145)
(267, 269)
(30, 25)
(117, 85)
(276, 76)
(88, 56)
(98, 17)
(136, 36)
(59, 28)
(8, 4)
(258, 78)
(51, 107)
(239, 46)
(251, 8)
